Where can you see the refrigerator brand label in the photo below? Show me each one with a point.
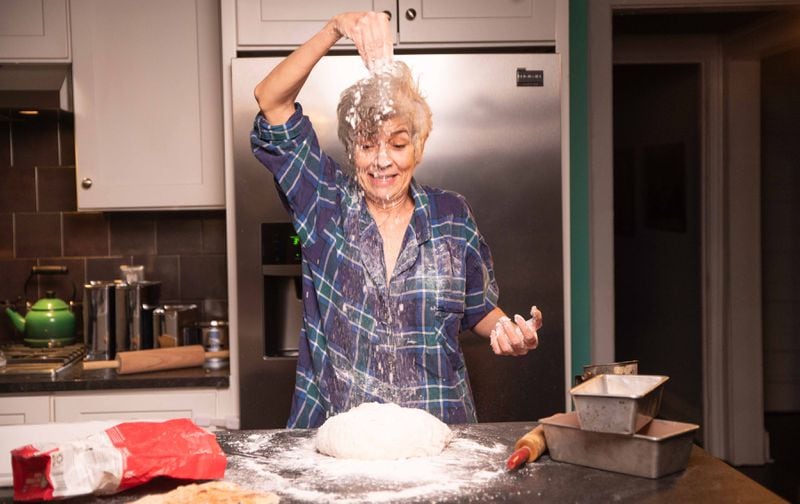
(527, 77)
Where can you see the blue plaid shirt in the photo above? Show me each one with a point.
(363, 340)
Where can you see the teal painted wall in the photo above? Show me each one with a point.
(579, 184)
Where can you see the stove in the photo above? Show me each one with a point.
(22, 360)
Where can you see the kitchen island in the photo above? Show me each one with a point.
(471, 469)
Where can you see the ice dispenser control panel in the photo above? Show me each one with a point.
(279, 244)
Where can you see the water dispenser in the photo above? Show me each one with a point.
(283, 307)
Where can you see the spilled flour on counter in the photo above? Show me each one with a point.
(286, 462)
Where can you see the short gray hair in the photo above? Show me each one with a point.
(387, 93)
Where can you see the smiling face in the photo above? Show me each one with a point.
(385, 163)
(383, 124)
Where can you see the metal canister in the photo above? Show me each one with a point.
(144, 299)
(99, 325)
(170, 323)
(213, 335)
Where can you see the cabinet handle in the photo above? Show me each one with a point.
(388, 13)
(86, 183)
(411, 14)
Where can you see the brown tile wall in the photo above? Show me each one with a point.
(40, 225)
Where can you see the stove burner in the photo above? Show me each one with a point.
(21, 359)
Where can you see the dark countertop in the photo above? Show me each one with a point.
(470, 469)
(74, 378)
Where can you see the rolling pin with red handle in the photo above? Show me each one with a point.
(528, 448)
(159, 359)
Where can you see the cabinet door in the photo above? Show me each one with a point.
(273, 22)
(475, 21)
(134, 405)
(18, 410)
(36, 31)
(148, 104)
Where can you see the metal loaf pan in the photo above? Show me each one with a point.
(619, 404)
(591, 370)
(661, 448)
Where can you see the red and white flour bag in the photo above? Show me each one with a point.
(121, 457)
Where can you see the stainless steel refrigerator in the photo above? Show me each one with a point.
(496, 140)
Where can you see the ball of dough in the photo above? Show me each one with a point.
(373, 431)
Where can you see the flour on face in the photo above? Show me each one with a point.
(383, 431)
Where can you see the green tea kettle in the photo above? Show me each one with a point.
(49, 321)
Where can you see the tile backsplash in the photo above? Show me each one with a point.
(40, 225)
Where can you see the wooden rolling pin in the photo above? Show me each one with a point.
(160, 359)
(528, 448)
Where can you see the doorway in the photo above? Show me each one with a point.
(738, 46)
(657, 229)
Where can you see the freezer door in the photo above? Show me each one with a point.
(496, 140)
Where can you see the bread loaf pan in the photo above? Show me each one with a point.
(660, 448)
(619, 404)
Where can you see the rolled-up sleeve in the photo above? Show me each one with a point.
(302, 172)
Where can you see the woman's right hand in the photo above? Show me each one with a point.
(370, 32)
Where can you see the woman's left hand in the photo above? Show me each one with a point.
(516, 337)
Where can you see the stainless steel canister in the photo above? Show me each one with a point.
(143, 299)
(124, 307)
(170, 322)
(98, 320)
(118, 316)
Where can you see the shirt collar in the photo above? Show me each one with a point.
(420, 221)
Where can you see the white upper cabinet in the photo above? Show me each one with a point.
(269, 23)
(274, 22)
(36, 31)
(440, 21)
(147, 83)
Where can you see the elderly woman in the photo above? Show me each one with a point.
(393, 271)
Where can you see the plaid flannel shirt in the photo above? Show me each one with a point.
(363, 340)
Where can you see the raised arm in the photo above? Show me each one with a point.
(277, 92)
